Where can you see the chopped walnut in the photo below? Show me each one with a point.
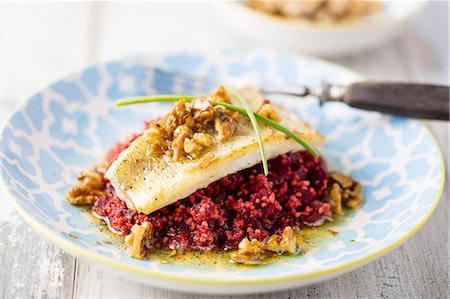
(189, 128)
(284, 243)
(262, 106)
(249, 252)
(343, 180)
(255, 252)
(220, 95)
(89, 188)
(193, 126)
(269, 111)
(182, 129)
(225, 124)
(335, 196)
(158, 144)
(343, 191)
(80, 195)
(202, 109)
(179, 111)
(140, 240)
(353, 198)
(203, 138)
(178, 144)
(91, 179)
(191, 147)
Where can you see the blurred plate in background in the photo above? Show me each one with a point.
(323, 39)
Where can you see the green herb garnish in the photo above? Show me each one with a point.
(252, 117)
(153, 99)
(263, 119)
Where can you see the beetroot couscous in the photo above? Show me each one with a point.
(244, 204)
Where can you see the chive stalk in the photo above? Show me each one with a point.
(249, 111)
(154, 98)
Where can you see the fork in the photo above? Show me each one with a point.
(412, 100)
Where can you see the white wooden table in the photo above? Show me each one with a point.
(44, 41)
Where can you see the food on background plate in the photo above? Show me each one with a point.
(331, 11)
(226, 171)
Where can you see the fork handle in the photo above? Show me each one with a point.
(406, 99)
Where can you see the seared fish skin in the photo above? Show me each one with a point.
(148, 182)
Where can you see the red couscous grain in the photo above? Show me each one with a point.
(243, 204)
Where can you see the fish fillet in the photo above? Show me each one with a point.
(150, 182)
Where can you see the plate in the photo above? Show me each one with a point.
(72, 123)
(317, 38)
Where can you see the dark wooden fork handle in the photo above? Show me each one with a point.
(406, 99)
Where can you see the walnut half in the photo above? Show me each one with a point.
(249, 253)
(89, 188)
(343, 191)
(255, 252)
(225, 123)
(140, 240)
(284, 243)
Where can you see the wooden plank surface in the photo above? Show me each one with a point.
(53, 39)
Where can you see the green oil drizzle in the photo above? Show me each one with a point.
(308, 238)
